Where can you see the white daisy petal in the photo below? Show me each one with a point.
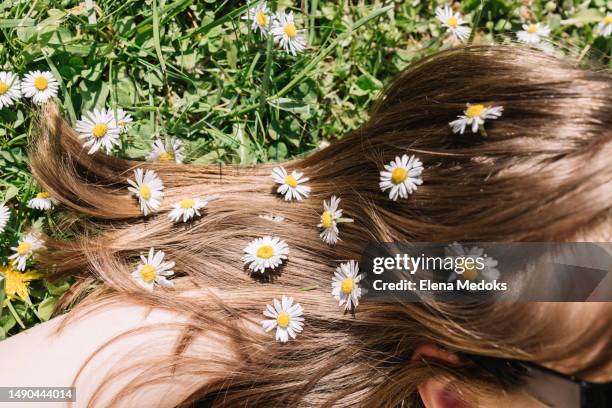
(345, 285)
(10, 89)
(171, 150)
(605, 26)
(24, 250)
(286, 318)
(453, 22)
(265, 253)
(330, 218)
(43, 201)
(187, 209)
(39, 86)
(153, 271)
(99, 130)
(474, 117)
(286, 35)
(5, 215)
(533, 33)
(260, 18)
(123, 120)
(290, 185)
(148, 188)
(402, 177)
(488, 274)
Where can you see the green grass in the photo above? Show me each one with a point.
(193, 70)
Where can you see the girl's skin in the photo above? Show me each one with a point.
(39, 357)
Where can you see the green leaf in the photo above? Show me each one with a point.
(11, 191)
(57, 288)
(290, 105)
(46, 307)
(278, 151)
(583, 17)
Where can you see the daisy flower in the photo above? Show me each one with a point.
(123, 120)
(286, 317)
(287, 35)
(10, 89)
(5, 214)
(290, 184)
(165, 152)
(24, 250)
(260, 17)
(263, 253)
(345, 284)
(40, 86)
(187, 209)
(604, 27)
(489, 273)
(475, 116)
(153, 270)
(533, 33)
(99, 130)
(43, 201)
(148, 188)
(453, 23)
(401, 176)
(330, 218)
(16, 283)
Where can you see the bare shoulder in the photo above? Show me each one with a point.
(117, 346)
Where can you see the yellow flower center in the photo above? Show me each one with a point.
(145, 191)
(471, 272)
(4, 88)
(187, 203)
(165, 156)
(398, 175)
(346, 286)
(99, 130)
(532, 29)
(474, 110)
(283, 319)
(452, 22)
(290, 30)
(607, 20)
(327, 219)
(41, 83)
(265, 252)
(262, 19)
(291, 181)
(23, 248)
(43, 195)
(148, 273)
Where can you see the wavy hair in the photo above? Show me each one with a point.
(541, 173)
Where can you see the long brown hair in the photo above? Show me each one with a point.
(541, 173)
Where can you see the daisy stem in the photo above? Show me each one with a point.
(14, 313)
(268, 66)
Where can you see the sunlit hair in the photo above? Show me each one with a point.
(541, 173)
